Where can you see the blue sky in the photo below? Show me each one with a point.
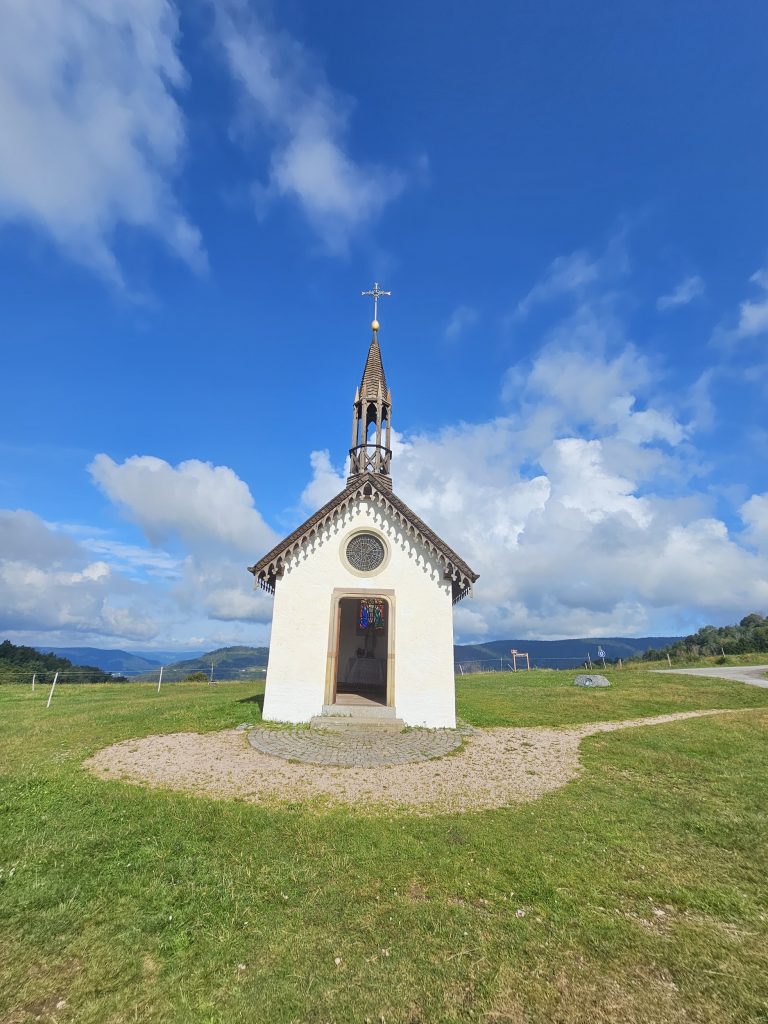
(570, 206)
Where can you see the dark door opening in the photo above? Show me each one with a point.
(361, 666)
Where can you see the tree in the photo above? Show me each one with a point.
(197, 677)
(749, 636)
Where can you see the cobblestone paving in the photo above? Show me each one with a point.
(355, 749)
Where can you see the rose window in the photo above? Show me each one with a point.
(365, 552)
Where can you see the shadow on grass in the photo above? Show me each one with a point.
(256, 699)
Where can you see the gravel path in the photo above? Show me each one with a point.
(496, 767)
(754, 675)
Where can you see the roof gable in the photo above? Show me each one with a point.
(269, 569)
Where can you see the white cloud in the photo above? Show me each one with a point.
(24, 537)
(649, 425)
(589, 378)
(754, 513)
(53, 590)
(690, 288)
(325, 483)
(753, 314)
(49, 583)
(699, 400)
(573, 550)
(574, 276)
(288, 96)
(578, 508)
(571, 375)
(90, 132)
(230, 605)
(579, 479)
(210, 512)
(459, 322)
(133, 557)
(469, 623)
(204, 505)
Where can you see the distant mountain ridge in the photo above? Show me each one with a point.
(127, 663)
(18, 663)
(547, 653)
(241, 662)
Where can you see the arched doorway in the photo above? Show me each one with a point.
(361, 661)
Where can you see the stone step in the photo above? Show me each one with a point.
(377, 711)
(356, 725)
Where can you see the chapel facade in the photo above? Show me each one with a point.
(363, 592)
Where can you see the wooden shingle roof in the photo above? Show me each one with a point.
(373, 374)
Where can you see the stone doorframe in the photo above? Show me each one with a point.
(331, 670)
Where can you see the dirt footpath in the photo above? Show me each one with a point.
(495, 768)
(753, 675)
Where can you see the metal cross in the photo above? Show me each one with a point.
(376, 292)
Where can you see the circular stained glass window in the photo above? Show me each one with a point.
(365, 552)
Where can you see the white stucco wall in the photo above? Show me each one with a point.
(424, 690)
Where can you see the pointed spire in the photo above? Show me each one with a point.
(373, 374)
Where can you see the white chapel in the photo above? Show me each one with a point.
(364, 591)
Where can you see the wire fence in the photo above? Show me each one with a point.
(217, 673)
(172, 674)
(466, 668)
(23, 677)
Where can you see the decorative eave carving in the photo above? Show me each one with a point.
(271, 567)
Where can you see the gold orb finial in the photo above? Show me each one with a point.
(374, 325)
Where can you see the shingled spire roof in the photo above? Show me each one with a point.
(373, 374)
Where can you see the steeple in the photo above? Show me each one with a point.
(372, 413)
(373, 374)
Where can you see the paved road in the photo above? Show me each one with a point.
(752, 674)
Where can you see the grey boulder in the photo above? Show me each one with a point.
(590, 681)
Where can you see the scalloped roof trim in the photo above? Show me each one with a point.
(271, 567)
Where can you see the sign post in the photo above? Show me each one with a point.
(520, 654)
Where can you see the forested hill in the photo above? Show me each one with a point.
(227, 662)
(18, 664)
(750, 636)
(125, 662)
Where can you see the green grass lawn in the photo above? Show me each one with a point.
(548, 698)
(643, 885)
